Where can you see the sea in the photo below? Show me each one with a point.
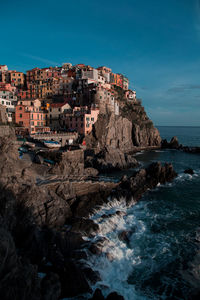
(160, 259)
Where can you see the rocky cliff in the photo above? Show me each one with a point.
(119, 135)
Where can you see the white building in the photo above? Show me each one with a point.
(3, 68)
(7, 95)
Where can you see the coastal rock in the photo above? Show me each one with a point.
(110, 159)
(114, 296)
(84, 226)
(173, 144)
(70, 163)
(50, 287)
(135, 186)
(189, 171)
(124, 236)
(97, 295)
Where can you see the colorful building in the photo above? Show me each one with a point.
(81, 119)
(29, 115)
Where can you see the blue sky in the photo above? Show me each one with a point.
(155, 43)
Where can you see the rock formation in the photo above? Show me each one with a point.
(119, 135)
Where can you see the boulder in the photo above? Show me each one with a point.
(189, 171)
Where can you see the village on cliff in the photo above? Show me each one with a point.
(66, 99)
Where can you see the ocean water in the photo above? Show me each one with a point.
(161, 257)
(187, 136)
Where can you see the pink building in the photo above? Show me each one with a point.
(7, 87)
(30, 116)
(81, 120)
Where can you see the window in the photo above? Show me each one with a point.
(32, 123)
(20, 122)
(70, 118)
(59, 109)
(92, 119)
(20, 115)
(87, 119)
(38, 116)
(2, 102)
(38, 123)
(87, 125)
(81, 125)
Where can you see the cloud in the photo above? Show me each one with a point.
(183, 88)
(41, 59)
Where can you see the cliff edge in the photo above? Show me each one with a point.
(118, 135)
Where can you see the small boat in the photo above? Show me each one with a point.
(52, 144)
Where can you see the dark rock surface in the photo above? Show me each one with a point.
(189, 171)
(41, 225)
(112, 296)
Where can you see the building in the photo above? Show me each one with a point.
(81, 119)
(105, 72)
(10, 109)
(130, 95)
(3, 68)
(62, 85)
(105, 99)
(7, 87)
(30, 116)
(8, 95)
(54, 115)
(125, 83)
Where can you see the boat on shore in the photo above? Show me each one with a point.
(52, 144)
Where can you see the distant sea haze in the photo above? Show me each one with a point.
(187, 135)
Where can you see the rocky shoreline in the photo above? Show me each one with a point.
(43, 222)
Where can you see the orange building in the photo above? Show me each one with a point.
(29, 115)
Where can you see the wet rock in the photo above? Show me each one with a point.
(97, 295)
(96, 248)
(173, 144)
(73, 280)
(114, 296)
(84, 226)
(50, 287)
(124, 236)
(189, 171)
(121, 213)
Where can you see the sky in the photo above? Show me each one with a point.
(155, 43)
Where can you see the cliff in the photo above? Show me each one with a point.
(119, 135)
